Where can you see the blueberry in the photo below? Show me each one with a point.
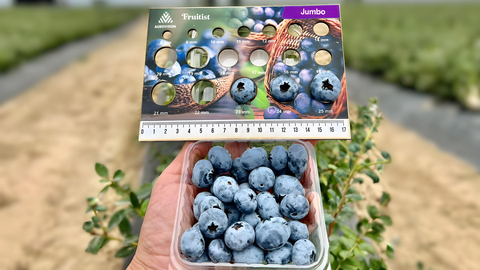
(278, 16)
(326, 87)
(196, 203)
(149, 75)
(303, 252)
(297, 159)
(303, 103)
(286, 184)
(205, 74)
(243, 90)
(278, 158)
(318, 107)
(253, 158)
(207, 203)
(172, 71)
(187, 70)
(267, 163)
(203, 258)
(234, 23)
(250, 23)
(306, 76)
(283, 88)
(309, 45)
(271, 22)
(241, 13)
(192, 244)
(237, 170)
(218, 69)
(257, 12)
(220, 158)
(282, 255)
(213, 223)
(218, 252)
(239, 236)
(152, 49)
(261, 178)
(232, 213)
(288, 115)
(272, 233)
(298, 230)
(184, 79)
(152, 83)
(267, 206)
(280, 172)
(304, 59)
(258, 28)
(252, 219)
(246, 200)
(202, 174)
(249, 255)
(294, 206)
(269, 13)
(225, 188)
(272, 112)
(244, 186)
(279, 69)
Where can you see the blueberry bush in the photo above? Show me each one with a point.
(342, 165)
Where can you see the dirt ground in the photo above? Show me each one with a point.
(52, 135)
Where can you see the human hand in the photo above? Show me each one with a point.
(153, 251)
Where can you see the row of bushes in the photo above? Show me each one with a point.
(431, 48)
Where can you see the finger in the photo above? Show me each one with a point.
(236, 148)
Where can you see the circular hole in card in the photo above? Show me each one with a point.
(218, 32)
(323, 57)
(259, 57)
(192, 33)
(321, 29)
(197, 57)
(243, 31)
(269, 30)
(295, 29)
(167, 34)
(291, 57)
(203, 92)
(228, 57)
(163, 93)
(165, 57)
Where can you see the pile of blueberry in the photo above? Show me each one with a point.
(253, 210)
(255, 18)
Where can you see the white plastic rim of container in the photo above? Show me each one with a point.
(228, 57)
(259, 57)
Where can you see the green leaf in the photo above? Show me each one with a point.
(144, 206)
(349, 233)
(346, 214)
(261, 100)
(118, 175)
(357, 180)
(390, 250)
(122, 202)
(87, 226)
(345, 254)
(367, 247)
(375, 236)
(134, 200)
(96, 244)
(322, 163)
(95, 219)
(104, 190)
(385, 199)
(378, 227)
(332, 167)
(104, 181)
(354, 197)
(101, 208)
(386, 155)
(117, 217)
(101, 170)
(328, 218)
(386, 220)
(335, 248)
(372, 175)
(347, 243)
(125, 251)
(92, 201)
(130, 239)
(377, 264)
(372, 211)
(144, 191)
(125, 228)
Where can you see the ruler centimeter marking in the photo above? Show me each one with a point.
(244, 130)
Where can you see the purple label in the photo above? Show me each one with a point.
(311, 12)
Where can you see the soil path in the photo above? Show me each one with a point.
(50, 138)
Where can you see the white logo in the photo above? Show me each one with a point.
(165, 18)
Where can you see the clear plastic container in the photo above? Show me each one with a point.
(184, 218)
